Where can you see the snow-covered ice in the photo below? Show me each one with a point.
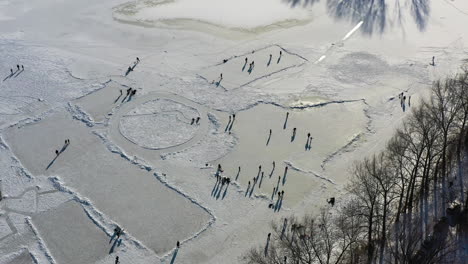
(140, 164)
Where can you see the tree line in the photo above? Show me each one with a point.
(406, 204)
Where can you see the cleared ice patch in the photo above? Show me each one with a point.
(245, 14)
(252, 67)
(158, 124)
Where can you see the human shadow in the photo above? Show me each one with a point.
(269, 61)
(9, 76)
(268, 140)
(245, 64)
(279, 203)
(293, 137)
(272, 170)
(266, 246)
(131, 68)
(123, 100)
(19, 72)
(117, 99)
(218, 193)
(286, 121)
(232, 123)
(64, 148)
(227, 126)
(225, 192)
(215, 188)
(253, 188)
(117, 243)
(238, 172)
(284, 176)
(52, 162)
(260, 182)
(174, 255)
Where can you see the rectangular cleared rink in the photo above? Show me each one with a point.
(133, 197)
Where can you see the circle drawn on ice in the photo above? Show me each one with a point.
(359, 67)
(159, 124)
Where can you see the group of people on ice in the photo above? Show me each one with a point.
(251, 66)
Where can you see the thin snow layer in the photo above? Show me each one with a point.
(4, 228)
(159, 124)
(27, 202)
(20, 257)
(246, 14)
(213, 146)
(51, 200)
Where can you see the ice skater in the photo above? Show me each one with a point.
(286, 120)
(57, 152)
(198, 120)
(331, 201)
(178, 244)
(138, 59)
(18, 67)
(433, 61)
(117, 260)
(193, 121)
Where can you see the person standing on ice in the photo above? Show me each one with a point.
(17, 66)
(138, 59)
(269, 61)
(198, 120)
(22, 67)
(433, 61)
(279, 58)
(11, 70)
(57, 152)
(178, 244)
(117, 260)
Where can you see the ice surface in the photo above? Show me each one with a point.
(339, 70)
(70, 235)
(126, 193)
(244, 14)
(160, 124)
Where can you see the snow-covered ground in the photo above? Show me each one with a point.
(139, 163)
